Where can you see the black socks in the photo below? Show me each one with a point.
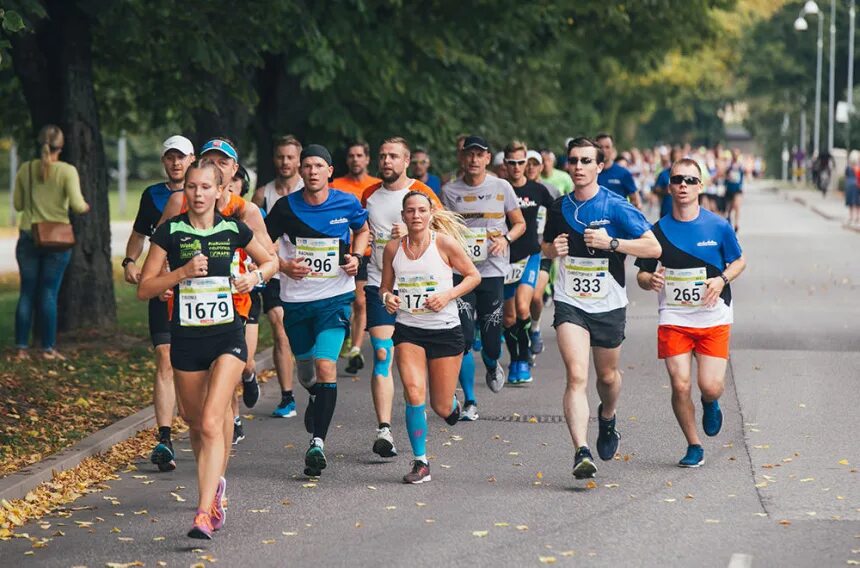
(324, 403)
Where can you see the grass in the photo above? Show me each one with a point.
(46, 406)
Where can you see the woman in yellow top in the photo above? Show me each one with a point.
(45, 189)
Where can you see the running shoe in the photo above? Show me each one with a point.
(469, 413)
(285, 409)
(583, 464)
(495, 378)
(514, 373)
(315, 460)
(238, 432)
(420, 473)
(384, 444)
(537, 342)
(309, 415)
(694, 458)
(217, 513)
(202, 526)
(454, 417)
(163, 456)
(356, 363)
(607, 436)
(250, 390)
(712, 417)
(525, 372)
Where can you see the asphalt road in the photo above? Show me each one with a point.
(772, 492)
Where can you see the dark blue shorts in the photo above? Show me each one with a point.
(313, 328)
(376, 313)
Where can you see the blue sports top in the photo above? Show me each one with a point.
(621, 220)
(707, 242)
(329, 226)
(617, 179)
(152, 202)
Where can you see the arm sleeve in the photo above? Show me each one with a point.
(554, 222)
(275, 220)
(144, 212)
(730, 245)
(73, 191)
(546, 199)
(443, 195)
(359, 215)
(632, 220)
(161, 237)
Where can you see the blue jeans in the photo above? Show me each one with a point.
(41, 275)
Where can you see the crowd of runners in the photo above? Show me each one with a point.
(433, 270)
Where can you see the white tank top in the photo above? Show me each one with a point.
(271, 195)
(418, 279)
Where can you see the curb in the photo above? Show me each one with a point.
(801, 200)
(16, 485)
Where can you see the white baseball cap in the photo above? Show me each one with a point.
(499, 159)
(177, 142)
(534, 154)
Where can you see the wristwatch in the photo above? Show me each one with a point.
(613, 244)
(126, 261)
(725, 279)
(507, 238)
(259, 276)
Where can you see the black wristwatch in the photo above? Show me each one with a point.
(126, 261)
(507, 238)
(725, 279)
(613, 244)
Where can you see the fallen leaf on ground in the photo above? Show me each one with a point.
(843, 462)
(501, 524)
(289, 533)
(610, 485)
(268, 541)
(785, 522)
(591, 485)
(480, 534)
(178, 497)
(568, 553)
(547, 559)
(522, 527)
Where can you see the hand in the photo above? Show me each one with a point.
(197, 266)
(398, 230)
(392, 302)
(132, 273)
(658, 280)
(352, 264)
(498, 245)
(560, 245)
(597, 239)
(438, 301)
(244, 283)
(166, 295)
(714, 287)
(295, 268)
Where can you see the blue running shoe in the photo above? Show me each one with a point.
(285, 409)
(712, 417)
(514, 373)
(163, 456)
(525, 373)
(583, 464)
(694, 458)
(536, 341)
(607, 436)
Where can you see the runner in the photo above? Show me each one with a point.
(734, 189)
(550, 174)
(592, 230)
(427, 331)
(356, 182)
(421, 170)
(485, 202)
(701, 255)
(176, 155)
(614, 177)
(207, 348)
(522, 278)
(287, 180)
(384, 204)
(320, 286)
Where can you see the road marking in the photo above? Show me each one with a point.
(739, 560)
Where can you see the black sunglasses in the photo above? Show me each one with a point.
(583, 161)
(689, 180)
(515, 162)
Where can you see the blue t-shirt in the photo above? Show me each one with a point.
(663, 184)
(434, 183)
(617, 179)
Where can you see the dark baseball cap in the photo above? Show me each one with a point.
(475, 142)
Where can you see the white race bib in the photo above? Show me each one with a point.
(515, 272)
(586, 278)
(414, 291)
(476, 244)
(380, 239)
(321, 256)
(685, 287)
(541, 221)
(205, 301)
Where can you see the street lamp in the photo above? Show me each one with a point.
(800, 24)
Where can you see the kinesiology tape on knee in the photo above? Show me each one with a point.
(305, 372)
(381, 367)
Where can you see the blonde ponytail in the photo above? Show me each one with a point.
(449, 223)
(51, 140)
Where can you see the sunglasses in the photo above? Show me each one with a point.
(515, 162)
(422, 162)
(583, 161)
(689, 180)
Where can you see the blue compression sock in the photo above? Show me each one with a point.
(467, 376)
(416, 426)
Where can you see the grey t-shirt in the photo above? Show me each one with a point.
(484, 206)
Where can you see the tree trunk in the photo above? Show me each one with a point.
(54, 65)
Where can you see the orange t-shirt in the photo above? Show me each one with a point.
(234, 208)
(354, 187)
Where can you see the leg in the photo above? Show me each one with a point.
(50, 279)
(736, 205)
(712, 376)
(443, 384)
(164, 397)
(282, 357)
(412, 364)
(509, 321)
(252, 333)
(608, 378)
(191, 387)
(525, 292)
(359, 316)
(28, 268)
(680, 368)
(488, 304)
(466, 309)
(382, 383)
(574, 344)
